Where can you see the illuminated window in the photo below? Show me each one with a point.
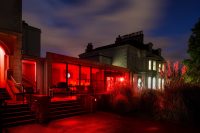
(149, 82)
(150, 64)
(73, 79)
(163, 67)
(58, 73)
(159, 67)
(85, 76)
(159, 83)
(154, 83)
(154, 65)
(163, 82)
(139, 83)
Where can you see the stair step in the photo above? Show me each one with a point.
(4, 94)
(18, 114)
(16, 107)
(10, 114)
(65, 111)
(63, 103)
(17, 123)
(61, 116)
(64, 107)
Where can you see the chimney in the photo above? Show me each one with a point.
(158, 51)
(150, 45)
(89, 48)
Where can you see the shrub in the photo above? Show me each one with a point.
(149, 101)
(121, 99)
(181, 102)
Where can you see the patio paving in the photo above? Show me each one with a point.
(103, 122)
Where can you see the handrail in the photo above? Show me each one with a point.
(29, 81)
(17, 85)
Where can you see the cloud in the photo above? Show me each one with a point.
(68, 26)
(173, 47)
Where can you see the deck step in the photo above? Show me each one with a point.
(4, 94)
(14, 115)
(59, 110)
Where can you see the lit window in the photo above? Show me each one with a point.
(154, 65)
(163, 67)
(150, 64)
(149, 82)
(154, 83)
(159, 83)
(139, 83)
(159, 67)
(163, 82)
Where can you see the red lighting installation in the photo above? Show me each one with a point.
(2, 67)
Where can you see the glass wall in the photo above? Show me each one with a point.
(73, 75)
(59, 75)
(97, 82)
(82, 79)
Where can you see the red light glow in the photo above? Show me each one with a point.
(2, 67)
(29, 70)
(121, 79)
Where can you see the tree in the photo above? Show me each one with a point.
(193, 64)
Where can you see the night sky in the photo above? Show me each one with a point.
(68, 25)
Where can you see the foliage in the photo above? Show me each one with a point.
(181, 102)
(193, 63)
(173, 71)
(121, 99)
(150, 101)
(173, 108)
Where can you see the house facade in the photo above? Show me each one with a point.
(130, 51)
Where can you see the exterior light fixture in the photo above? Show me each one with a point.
(68, 75)
(121, 79)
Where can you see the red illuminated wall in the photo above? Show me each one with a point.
(2, 68)
(29, 72)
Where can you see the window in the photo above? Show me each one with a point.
(159, 67)
(150, 64)
(163, 82)
(154, 65)
(139, 83)
(159, 83)
(154, 83)
(149, 82)
(163, 67)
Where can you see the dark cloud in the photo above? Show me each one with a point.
(68, 25)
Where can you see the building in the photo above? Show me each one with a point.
(127, 62)
(129, 51)
(23, 70)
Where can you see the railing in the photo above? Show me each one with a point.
(16, 89)
(30, 82)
